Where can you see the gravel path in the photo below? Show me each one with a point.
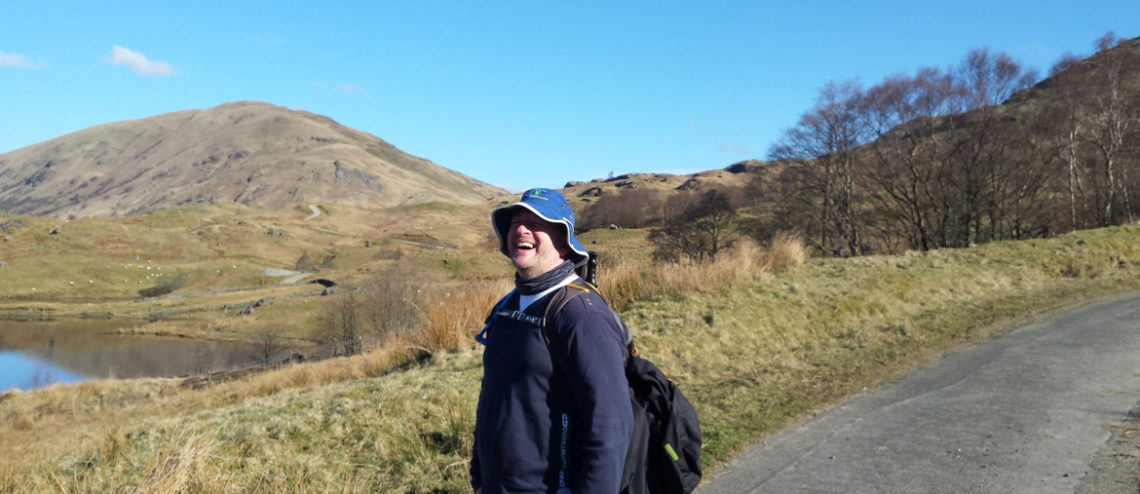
(290, 276)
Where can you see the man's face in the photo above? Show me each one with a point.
(533, 245)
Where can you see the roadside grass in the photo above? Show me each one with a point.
(273, 426)
(626, 281)
(399, 433)
(755, 356)
(757, 340)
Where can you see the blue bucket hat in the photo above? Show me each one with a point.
(551, 206)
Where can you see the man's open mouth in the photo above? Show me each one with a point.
(524, 245)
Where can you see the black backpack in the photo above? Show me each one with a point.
(665, 452)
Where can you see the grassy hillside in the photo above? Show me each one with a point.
(756, 341)
(194, 261)
(245, 152)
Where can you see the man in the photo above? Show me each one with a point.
(553, 417)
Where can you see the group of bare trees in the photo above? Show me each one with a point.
(379, 309)
(819, 193)
(629, 208)
(1098, 112)
(973, 153)
(937, 160)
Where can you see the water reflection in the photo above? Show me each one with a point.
(26, 372)
(40, 352)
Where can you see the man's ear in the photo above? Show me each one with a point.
(561, 241)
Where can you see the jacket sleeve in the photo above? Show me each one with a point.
(593, 346)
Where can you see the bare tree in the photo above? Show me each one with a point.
(1071, 118)
(339, 322)
(1027, 193)
(908, 154)
(989, 79)
(1066, 62)
(1111, 119)
(983, 166)
(388, 306)
(269, 343)
(821, 167)
(696, 229)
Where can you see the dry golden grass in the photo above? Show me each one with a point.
(787, 251)
(450, 317)
(754, 341)
(402, 432)
(627, 281)
(790, 343)
(94, 414)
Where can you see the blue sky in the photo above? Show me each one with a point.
(516, 94)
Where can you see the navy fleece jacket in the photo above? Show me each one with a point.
(549, 418)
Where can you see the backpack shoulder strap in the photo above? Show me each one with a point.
(567, 293)
(559, 300)
(481, 337)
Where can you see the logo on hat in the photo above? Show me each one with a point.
(537, 194)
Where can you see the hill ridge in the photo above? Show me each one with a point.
(250, 152)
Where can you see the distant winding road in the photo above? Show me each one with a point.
(1025, 413)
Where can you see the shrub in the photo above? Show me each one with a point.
(339, 322)
(787, 250)
(695, 229)
(629, 208)
(388, 303)
(167, 285)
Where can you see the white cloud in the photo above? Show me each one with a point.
(510, 188)
(19, 61)
(733, 148)
(138, 63)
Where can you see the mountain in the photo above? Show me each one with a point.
(253, 153)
